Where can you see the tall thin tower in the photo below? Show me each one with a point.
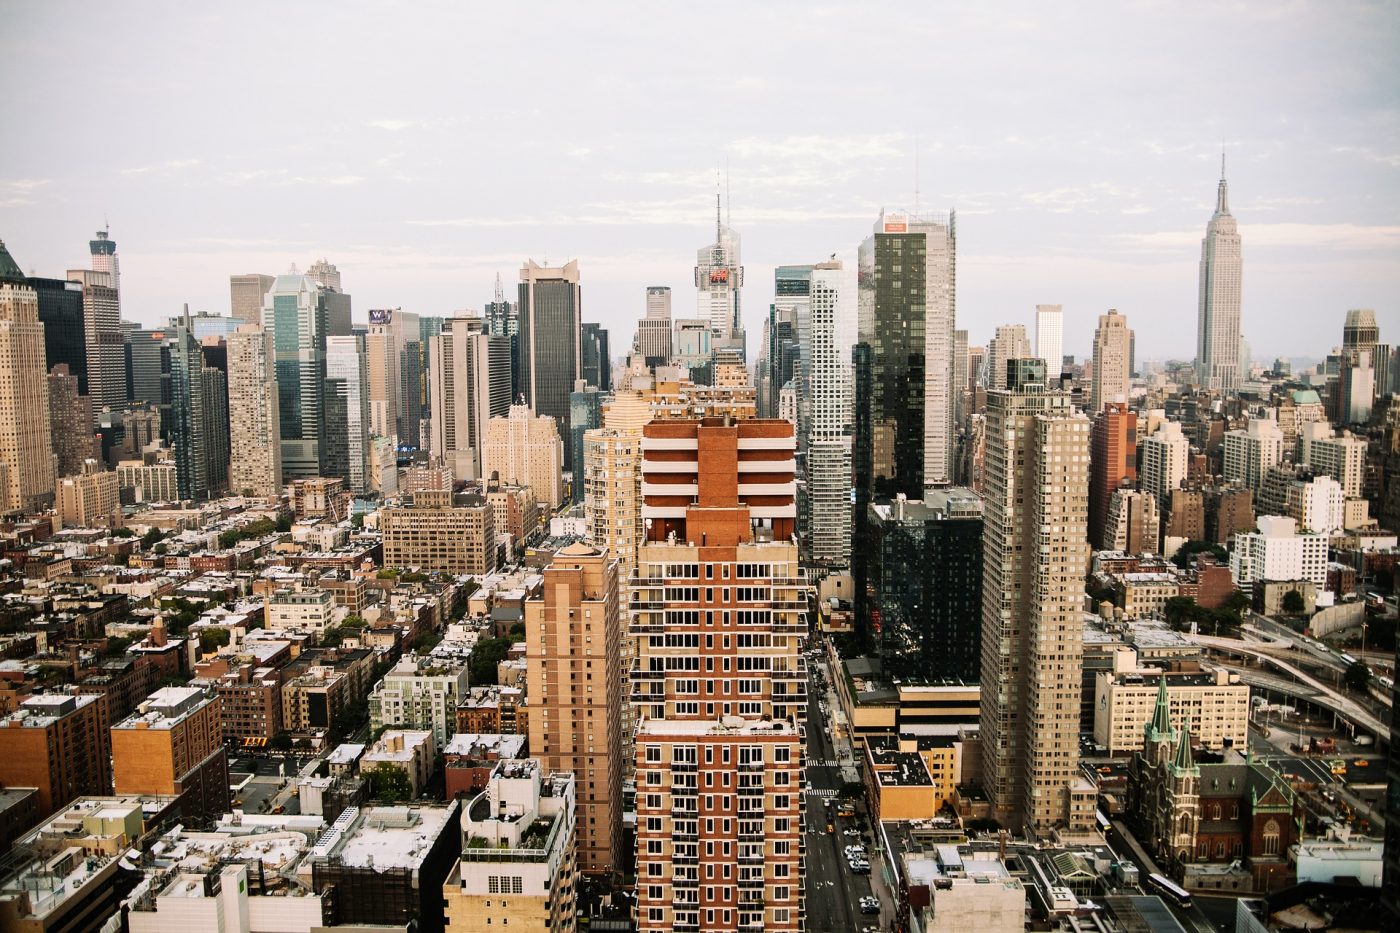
(1218, 323)
(719, 275)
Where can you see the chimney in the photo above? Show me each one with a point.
(158, 632)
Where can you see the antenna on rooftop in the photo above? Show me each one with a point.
(728, 219)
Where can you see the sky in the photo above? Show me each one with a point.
(425, 148)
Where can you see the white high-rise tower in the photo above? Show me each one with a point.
(1218, 323)
(1050, 339)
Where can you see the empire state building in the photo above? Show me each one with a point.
(1218, 324)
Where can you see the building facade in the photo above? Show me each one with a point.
(525, 449)
(1218, 321)
(550, 324)
(255, 450)
(1112, 362)
(26, 445)
(441, 531)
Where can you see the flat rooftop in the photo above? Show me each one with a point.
(386, 837)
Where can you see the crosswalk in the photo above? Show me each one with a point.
(822, 763)
(823, 792)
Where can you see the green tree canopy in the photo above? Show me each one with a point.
(388, 782)
(1357, 676)
(485, 656)
(1293, 603)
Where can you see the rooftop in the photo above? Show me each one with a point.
(728, 725)
(385, 837)
(166, 708)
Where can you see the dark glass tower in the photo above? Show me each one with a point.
(61, 311)
(595, 365)
(549, 341)
(187, 412)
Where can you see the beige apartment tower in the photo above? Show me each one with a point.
(572, 633)
(255, 448)
(1113, 343)
(1035, 555)
(524, 449)
(247, 294)
(26, 449)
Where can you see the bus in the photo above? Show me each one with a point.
(1170, 890)
(1104, 825)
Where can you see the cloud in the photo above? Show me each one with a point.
(822, 148)
(17, 192)
(170, 165)
(393, 126)
(673, 212)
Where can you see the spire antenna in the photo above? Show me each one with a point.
(916, 173)
(728, 217)
(500, 294)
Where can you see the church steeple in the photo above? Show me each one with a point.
(1160, 726)
(1184, 761)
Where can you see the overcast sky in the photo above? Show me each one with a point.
(425, 147)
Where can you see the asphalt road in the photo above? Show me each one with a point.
(833, 890)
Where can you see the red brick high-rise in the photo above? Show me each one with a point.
(1112, 462)
(719, 684)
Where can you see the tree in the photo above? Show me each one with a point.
(123, 533)
(212, 639)
(332, 636)
(485, 656)
(517, 631)
(357, 520)
(151, 538)
(1293, 603)
(281, 742)
(116, 646)
(1357, 676)
(1183, 555)
(388, 782)
(426, 642)
(1237, 603)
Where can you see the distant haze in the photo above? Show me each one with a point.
(425, 147)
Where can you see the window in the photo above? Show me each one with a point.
(1271, 837)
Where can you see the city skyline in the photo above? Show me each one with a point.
(1097, 209)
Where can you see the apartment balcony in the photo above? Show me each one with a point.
(768, 489)
(671, 489)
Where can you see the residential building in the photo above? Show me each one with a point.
(214, 400)
(419, 693)
(247, 295)
(151, 479)
(299, 610)
(470, 383)
(612, 478)
(1342, 457)
(1132, 525)
(927, 570)
(1278, 552)
(1112, 462)
(549, 358)
(1112, 361)
(255, 460)
(58, 744)
(1009, 343)
(719, 684)
(1249, 453)
(517, 869)
(1163, 461)
(173, 745)
(825, 371)
(1218, 323)
(187, 428)
(573, 634)
(26, 446)
(250, 703)
(1050, 339)
(1035, 556)
(89, 499)
(1315, 503)
(441, 531)
(469, 760)
(1211, 702)
(516, 513)
(412, 751)
(1229, 512)
(1186, 515)
(70, 423)
(525, 449)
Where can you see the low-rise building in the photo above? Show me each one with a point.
(517, 868)
(300, 610)
(1213, 702)
(173, 745)
(412, 752)
(57, 743)
(470, 759)
(419, 693)
(441, 531)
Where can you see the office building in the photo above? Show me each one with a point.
(188, 434)
(419, 693)
(102, 338)
(573, 635)
(1112, 462)
(1132, 524)
(347, 413)
(595, 366)
(148, 353)
(70, 422)
(469, 383)
(828, 417)
(173, 745)
(927, 570)
(65, 328)
(26, 451)
(1050, 339)
(1035, 558)
(1342, 457)
(1218, 333)
(719, 276)
(441, 531)
(1112, 367)
(248, 295)
(89, 498)
(549, 355)
(391, 368)
(1249, 453)
(654, 330)
(255, 452)
(58, 744)
(524, 449)
(1163, 457)
(301, 314)
(153, 478)
(720, 683)
(517, 868)
(1009, 343)
(585, 414)
(693, 347)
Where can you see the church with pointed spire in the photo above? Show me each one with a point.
(1214, 821)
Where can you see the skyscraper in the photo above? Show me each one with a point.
(1009, 343)
(215, 425)
(1112, 359)
(654, 330)
(65, 330)
(102, 337)
(525, 449)
(248, 294)
(346, 416)
(719, 275)
(469, 382)
(595, 365)
(26, 450)
(299, 314)
(577, 689)
(1035, 556)
(1163, 460)
(719, 684)
(827, 415)
(585, 414)
(550, 324)
(70, 420)
(392, 375)
(1218, 321)
(255, 456)
(187, 411)
(1050, 339)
